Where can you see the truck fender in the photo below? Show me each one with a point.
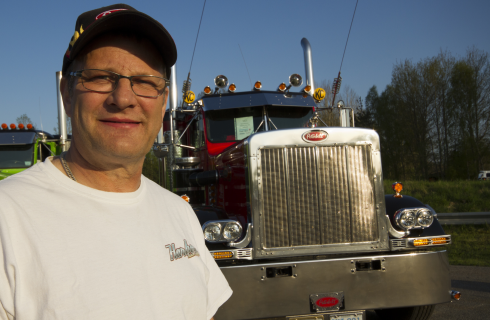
(204, 214)
(393, 204)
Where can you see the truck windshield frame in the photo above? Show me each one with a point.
(233, 125)
(16, 156)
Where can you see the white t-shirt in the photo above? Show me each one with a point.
(71, 252)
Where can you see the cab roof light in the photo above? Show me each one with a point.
(319, 94)
(232, 88)
(29, 126)
(5, 126)
(307, 88)
(207, 90)
(295, 80)
(397, 187)
(282, 87)
(21, 126)
(12, 126)
(257, 86)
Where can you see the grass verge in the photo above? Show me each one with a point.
(448, 196)
(469, 245)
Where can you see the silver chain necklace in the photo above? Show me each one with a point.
(66, 167)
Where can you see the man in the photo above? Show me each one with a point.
(85, 235)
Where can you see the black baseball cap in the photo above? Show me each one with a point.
(92, 23)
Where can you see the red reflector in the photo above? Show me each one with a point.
(326, 302)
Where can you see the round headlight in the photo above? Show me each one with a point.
(232, 231)
(405, 219)
(424, 217)
(212, 232)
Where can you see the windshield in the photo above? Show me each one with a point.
(16, 156)
(288, 117)
(233, 124)
(237, 124)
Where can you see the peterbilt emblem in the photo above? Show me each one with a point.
(326, 302)
(315, 136)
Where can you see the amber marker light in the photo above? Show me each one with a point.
(222, 255)
(421, 242)
(21, 126)
(282, 87)
(232, 88)
(186, 198)
(397, 187)
(456, 294)
(307, 89)
(5, 126)
(12, 126)
(442, 240)
(207, 90)
(258, 85)
(29, 126)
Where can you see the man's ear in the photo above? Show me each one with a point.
(65, 95)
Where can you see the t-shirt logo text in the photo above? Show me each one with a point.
(176, 253)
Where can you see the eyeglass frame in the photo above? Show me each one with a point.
(119, 76)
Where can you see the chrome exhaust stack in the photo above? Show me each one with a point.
(308, 65)
(61, 115)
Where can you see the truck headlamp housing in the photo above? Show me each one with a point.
(413, 218)
(216, 231)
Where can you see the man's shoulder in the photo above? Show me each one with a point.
(156, 189)
(31, 176)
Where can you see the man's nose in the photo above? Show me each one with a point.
(123, 96)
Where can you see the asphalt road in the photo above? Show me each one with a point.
(474, 285)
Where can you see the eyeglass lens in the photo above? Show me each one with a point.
(106, 81)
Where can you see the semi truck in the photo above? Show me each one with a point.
(22, 146)
(294, 212)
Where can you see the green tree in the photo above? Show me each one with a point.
(24, 119)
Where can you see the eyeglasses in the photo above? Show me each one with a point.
(104, 81)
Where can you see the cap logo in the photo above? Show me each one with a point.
(105, 13)
(76, 35)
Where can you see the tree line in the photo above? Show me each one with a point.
(433, 119)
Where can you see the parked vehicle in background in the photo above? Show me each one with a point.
(22, 147)
(294, 212)
(484, 175)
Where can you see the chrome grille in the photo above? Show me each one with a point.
(317, 195)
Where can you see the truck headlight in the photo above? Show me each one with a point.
(424, 217)
(413, 218)
(405, 219)
(212, 232)
(222, 230)
(232, 231)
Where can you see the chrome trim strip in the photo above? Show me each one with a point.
(245, 241)
(288, 188)
(393, 232)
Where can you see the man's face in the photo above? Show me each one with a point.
(120, 126)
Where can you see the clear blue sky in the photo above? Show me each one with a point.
(34, 36)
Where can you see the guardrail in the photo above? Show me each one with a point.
(464, 218)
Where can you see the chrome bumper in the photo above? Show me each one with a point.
(367, 282)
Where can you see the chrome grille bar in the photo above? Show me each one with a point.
(317, 195)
